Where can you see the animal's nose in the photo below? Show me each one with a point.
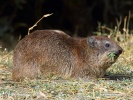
(120, 51)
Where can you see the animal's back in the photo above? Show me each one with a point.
(44, 51)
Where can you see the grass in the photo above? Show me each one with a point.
(118, 84)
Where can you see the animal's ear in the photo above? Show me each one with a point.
(91, 41)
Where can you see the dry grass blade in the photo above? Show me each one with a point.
(38, 22)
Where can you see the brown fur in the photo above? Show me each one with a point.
(46, 52)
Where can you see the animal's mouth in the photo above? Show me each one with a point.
(113, 55)
(108, 58)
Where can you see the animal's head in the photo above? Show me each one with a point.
(108, 50)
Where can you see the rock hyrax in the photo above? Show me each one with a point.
(45, 52)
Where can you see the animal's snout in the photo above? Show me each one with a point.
(118, 52)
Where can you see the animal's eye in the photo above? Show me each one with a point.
(107, 45)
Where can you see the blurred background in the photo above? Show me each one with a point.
(75, 17)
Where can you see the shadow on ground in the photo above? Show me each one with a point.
(119, 76)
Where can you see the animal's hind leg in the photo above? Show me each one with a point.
(28, 70)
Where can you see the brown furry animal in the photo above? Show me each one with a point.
(46, 52)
